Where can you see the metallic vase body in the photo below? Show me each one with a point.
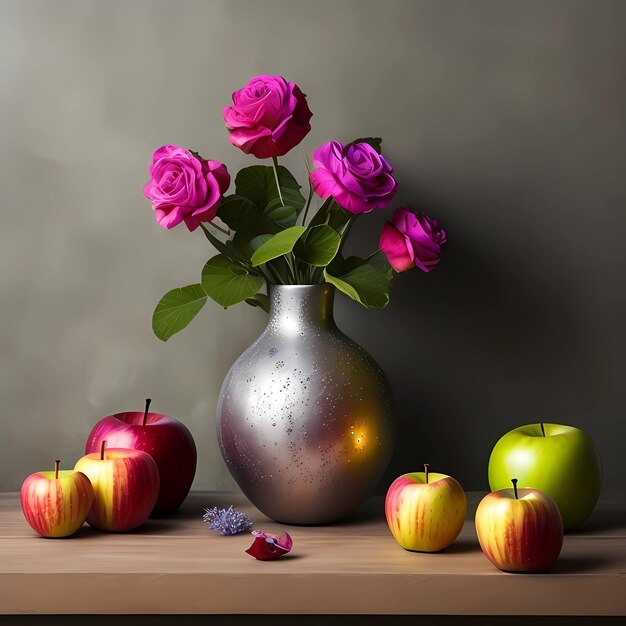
(305, 414)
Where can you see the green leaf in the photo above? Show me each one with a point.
(318, 246)
(260, 300)
(283, 215)
(259, 240)
(219, 245)
(279, 244)
(253, 183)
(228, 282)
(379, 261)
(360, 281)
(239, 246)
(176, 309)
(237, 212)
(243, 243)
(242, 215)
(289, 187)
(375, 142)
(332, 214)
(257, 183)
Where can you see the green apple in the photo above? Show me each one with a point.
(559, 460)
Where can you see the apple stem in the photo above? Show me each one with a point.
(145, 413)
(543, 431)
(57, 462)
(426, 471)
(514, 481)
(104, 443)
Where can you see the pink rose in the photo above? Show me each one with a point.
(268, 118)
(413, 239)
(356, 176)
(184, 188)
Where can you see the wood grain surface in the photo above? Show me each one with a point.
(176, 566)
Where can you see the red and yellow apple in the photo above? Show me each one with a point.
(425, 510)
(519, 530)
(559, 460)
(56, 503)
(165, 439)
(125, 484)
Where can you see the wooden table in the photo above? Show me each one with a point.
(176, 566)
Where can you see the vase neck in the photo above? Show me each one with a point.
(296, 309)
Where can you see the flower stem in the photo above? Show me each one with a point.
(346, 231)
(226, 232)
(371, 256)
(292, 268)
(308, 204)
(272, 275)
(265, 274)
(275, 166)
(221, 247)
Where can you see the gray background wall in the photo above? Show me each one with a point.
(505, 120)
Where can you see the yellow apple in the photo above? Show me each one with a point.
(425, 511)
(125, 484)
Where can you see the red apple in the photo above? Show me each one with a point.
(165, 439)
(425, 511)
(56, 503)
(519, 530)
(125, 484)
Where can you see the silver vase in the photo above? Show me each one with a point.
(304, 419)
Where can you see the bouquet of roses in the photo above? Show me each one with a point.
(265, 232)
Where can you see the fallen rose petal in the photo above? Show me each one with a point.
(266, 546)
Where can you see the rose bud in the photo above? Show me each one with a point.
(412, 240)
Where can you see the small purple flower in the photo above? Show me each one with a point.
(228, 521)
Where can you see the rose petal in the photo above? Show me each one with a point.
(267, 547)
(170, 216)
(423, 237)
(394, 246)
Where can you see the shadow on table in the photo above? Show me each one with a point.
(581, 564)
(463, 546)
